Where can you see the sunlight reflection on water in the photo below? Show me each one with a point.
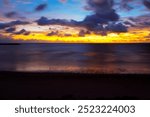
(78, 58)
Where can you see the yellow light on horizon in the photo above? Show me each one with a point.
(133, 36)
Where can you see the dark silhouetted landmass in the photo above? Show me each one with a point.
(10, 44)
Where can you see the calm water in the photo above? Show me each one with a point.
(87, 58)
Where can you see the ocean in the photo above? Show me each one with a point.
(76, 58)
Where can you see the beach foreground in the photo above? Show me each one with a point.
(27, 85)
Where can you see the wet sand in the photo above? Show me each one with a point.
(27, 85)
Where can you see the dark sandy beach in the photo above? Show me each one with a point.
(27, 85)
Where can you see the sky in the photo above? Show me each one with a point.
(73, 9)
(62, 9)
(19, 17)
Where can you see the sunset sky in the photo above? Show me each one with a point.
(75, 20)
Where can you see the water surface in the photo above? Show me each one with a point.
(78, 58)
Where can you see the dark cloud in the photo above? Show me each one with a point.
(10, 30)
(12, 23)
(101, 6)
(52, 33)
(41, 7)
(147, 3)
(103, 13)
(4, 25)
(14, 14)
(27, 33)
(93, 20)
(11, 14)
(82, 33)
(142, 21)
(23, 31)
(127, 4)
(18, 22)
(129, 24)
(119, 27)
(46, 21)
(92, 23)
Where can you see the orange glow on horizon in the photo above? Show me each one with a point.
(141, 35)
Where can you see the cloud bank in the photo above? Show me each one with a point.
(12, 23)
